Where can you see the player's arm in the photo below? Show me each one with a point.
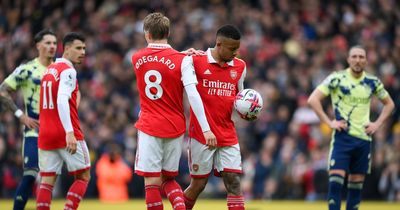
(241, 80)
(388, 107)
(6, 100)
(189, 81)
(315, 102)
(78, 98)
(67, 85)
(240, 86)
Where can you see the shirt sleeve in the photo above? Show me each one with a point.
(17, 78)
(188, 73)
(241, 80)
(197, 106)
(67, 82)
(329, 84)
(67, 85)
(380, 91)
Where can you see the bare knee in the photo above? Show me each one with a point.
(50, 180)
(85, 176)
(356, 177)
(339, 172)
(152, 181)
(198, 184)
(165, 178)
(232, 183)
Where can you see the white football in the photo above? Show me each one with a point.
(248, 104)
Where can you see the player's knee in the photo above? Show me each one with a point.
(165, 178)
(356, 177)
(84, 176)
(233, 188)
(337, 172)
(232, 183)
(199, 184)
(30, 172)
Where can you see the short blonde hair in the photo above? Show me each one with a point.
(157, 25)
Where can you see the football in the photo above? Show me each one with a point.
(248, 104)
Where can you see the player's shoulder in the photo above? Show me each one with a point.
(239, 62)
(139, 52)
(371, 76)
(341, 73)
(28, 64)
(199, 57)
(32, 64)
(26, 67)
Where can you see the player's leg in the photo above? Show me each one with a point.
(148, 164)
(170, 165)
(78, 165)
(336, 181)
(31, 168)
(354, 189)
(359, 166)
(192, 192)
(50, 164)
(339, 159)
(228, 163)
(200, 166)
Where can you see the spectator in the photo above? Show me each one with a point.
(113, 175)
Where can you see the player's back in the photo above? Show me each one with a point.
(159, 82)
(51, 131)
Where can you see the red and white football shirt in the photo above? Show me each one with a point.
(160, 80)
(51, 131)
(217, 87)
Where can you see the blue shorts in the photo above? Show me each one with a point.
(350, 153)
(30, 153)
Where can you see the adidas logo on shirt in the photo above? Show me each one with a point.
(207, 72)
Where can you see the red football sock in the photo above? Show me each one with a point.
(189, 203)
(174, 194)
(153, 197)
(43, 199)
(75, 194)
(235, 202)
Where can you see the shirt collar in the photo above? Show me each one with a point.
(38, 62)
(212, 60)
(159, 45)
(63, 60)
(348, 70)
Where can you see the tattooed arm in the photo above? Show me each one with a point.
(6, 100)
(5, 97)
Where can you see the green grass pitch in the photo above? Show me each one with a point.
(203, 204)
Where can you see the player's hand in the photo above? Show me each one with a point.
(339, 125)
(371, 128)
(192, 51)
(247, 117)
(211, 140)
(29, 122)
(71, 142)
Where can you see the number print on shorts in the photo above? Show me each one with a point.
(153, 88)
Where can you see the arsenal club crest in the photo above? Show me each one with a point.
(233, 74)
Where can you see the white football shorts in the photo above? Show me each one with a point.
(202, 160)
(51, 161)
(156, 155)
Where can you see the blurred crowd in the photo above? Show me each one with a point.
(289, 47)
